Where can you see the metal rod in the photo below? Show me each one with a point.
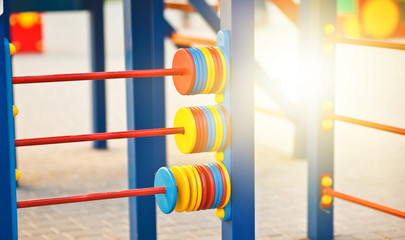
(97, 76)
(370, 43)
(185, 7)
(365, 203)
(90, 197)
(98, 136)
(374, 125)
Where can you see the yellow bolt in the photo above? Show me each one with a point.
(326, 181)
(15, 110)
(328, 48)
(219, 98)
(12, 49)
(327, 106)
(326, 200)
(327, 124)
(220, 213)
(329, 29)
(219, 156)
(17, 174)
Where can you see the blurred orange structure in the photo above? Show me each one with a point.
(26, 32)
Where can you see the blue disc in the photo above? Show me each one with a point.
(205, 69)
(218, 184)
(211, 129)
(198, 72)
(224, 127)
(165, 178)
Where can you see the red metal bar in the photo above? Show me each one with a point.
(98, 136)
(185, 7)
(369, 43)
(97, 76)
(90, 197)
(374, 125)
(365, 203)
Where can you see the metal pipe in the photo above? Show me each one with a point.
(97, 76)
(90, 197)
(374, 125)
(365, 203)
(98, 136)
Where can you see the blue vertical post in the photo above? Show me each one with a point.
(144, 35)
(98, 65)
(318, 60)
(8, 204)
(237, 16)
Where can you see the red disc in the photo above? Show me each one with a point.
(228, 127)
(183, 60)
(218, 69)
(204, 129)
(211, 186)
(224, 192)
(204, 187)
(198, 121)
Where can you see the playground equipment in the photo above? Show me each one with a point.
(197, 129)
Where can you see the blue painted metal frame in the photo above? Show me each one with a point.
(8, 202)
(98, 65)
(207, 13)
(314, 15)
(144, 34)
(237, 16)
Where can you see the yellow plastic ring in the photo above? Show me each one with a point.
(184, 118)
(199, 187)
(228, 185)
(15, 110)
(219, 128)
(210, 70)
(193, 188)
(183, 189)
(224, 70)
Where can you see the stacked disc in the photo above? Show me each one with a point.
(206, 70)
(206, 129)
(199, 187)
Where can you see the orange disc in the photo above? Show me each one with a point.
(204, 130)
(198, 121)
(183, 60)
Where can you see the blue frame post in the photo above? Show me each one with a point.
(318, 59)
(8, 202)
(144, 34)
(98, 65)
(237, 16)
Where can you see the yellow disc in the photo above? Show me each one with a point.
(224, 70)
(327, 124)
(326, 181)
(15, 110)
(219, 98)
(210, 70)
(380, 18)
(220, 156)
(184, 118)
(352, 27)
(228, 185)
(329, 29)
(219, 128)
(28, 19)
(326, 200)
(220, 213)
(17, 174)
(183, 189)
(12, 49)
(193, 188)
(199, 187)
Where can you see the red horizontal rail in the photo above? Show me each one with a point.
(97, 76)
(369, 43)
(365, 203)
(90, 197)
(374, 125)
(98, 136)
